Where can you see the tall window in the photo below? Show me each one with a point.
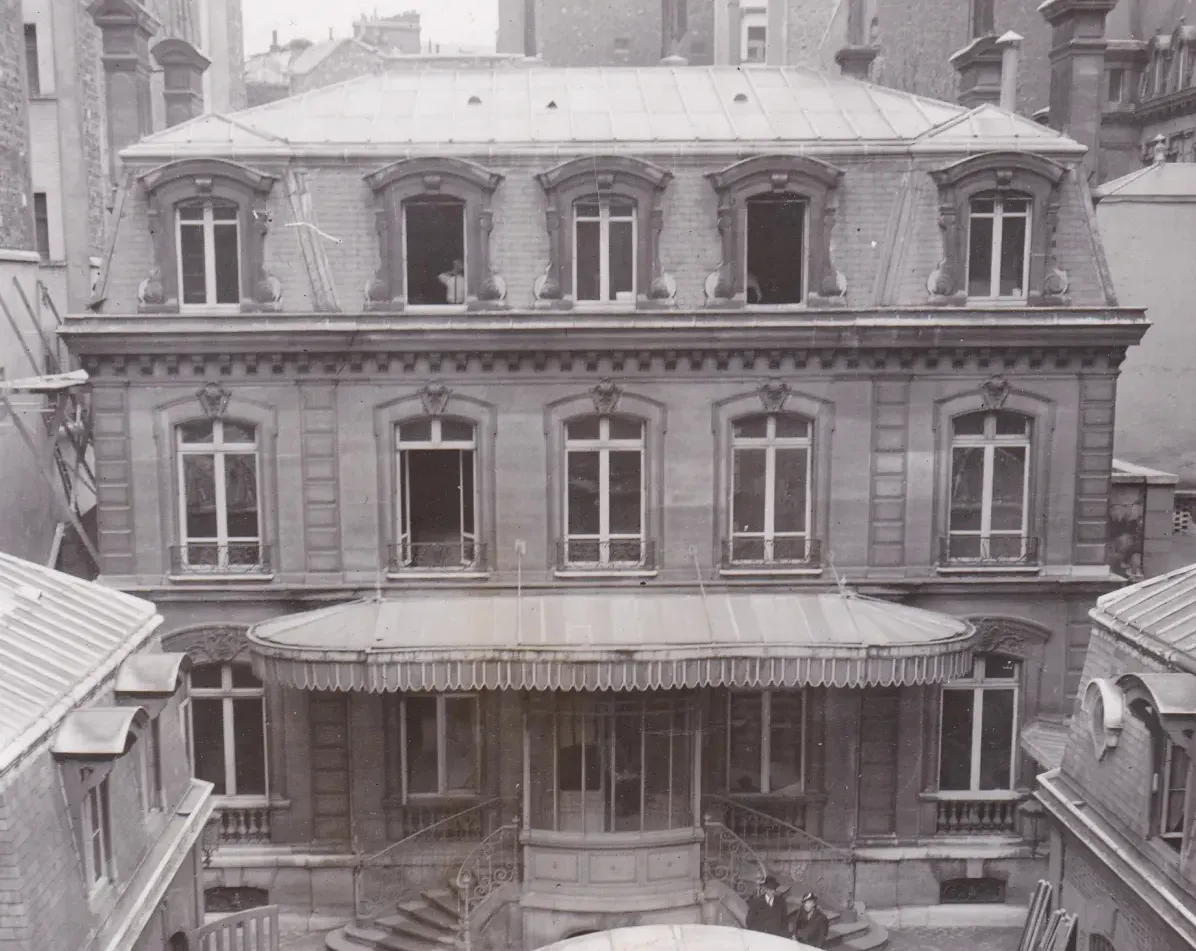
(32, 67)
(151, 766)
(41, 224)
(755, 43)
(434, 250)
(990, 475)
(775, 255)
(604, 249)
(979, 727)
(674, 16)
(770, 489)
(209, 242)
(218, 496)
(766, 742)
(440, 743)
(999, 247)
(604, 498)
(1173, 793)
(97, 835)
(228, 729)
(437, 505)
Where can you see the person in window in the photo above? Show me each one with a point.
(454, 283)
(767, 911)
(811, 926)
(752, 292)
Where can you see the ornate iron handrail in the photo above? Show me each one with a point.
(493, 863)
(769, 833)
(724, 857)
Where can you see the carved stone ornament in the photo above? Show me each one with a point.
(267, 290)
(1104, 704)
(213, 399)
(997, 641)
(939, 283)
(434, 398)
(773, 395)
(492, 289)
(994, 392)
(663, 288)
(606, 396)
(377, 293)
(218, 644)
(150, 293)
(546, 287)
(1056, 284)
(719, 288)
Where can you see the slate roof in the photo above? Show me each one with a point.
(59, 637)
(660, 107)
(1163, 608)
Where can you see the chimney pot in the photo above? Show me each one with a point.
(1011, 46)
(979, 67)
(855, 62)
(182, 79)
(274, 41)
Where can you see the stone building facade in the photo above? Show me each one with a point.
(407, 437)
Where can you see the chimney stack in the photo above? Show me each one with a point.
(855, 59)
(1077, 69)
(274, 47)
(979, 68)
(1011, 51)
(125, 27)
(182, 79)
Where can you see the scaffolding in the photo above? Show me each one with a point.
(63, 453)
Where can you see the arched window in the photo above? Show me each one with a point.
(989, 517)
(209, 259)
(604, 249)
(436, 484)
(978, 727)
(769, 508)
(226, 729)
(218, 483)
(998, 246)
(604, 505)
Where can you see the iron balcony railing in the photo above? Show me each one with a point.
(784, 551)
(458, 554)
(997, 551)
(220, 558)
(576, 553)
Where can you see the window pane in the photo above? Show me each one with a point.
(748, 489)
(433, 518)
(194, 264)
(1011, 424)
(418, 431)
(240, 493)
(792, 489)
(621, 208)
(199, 493)
(622, 258)
(207, 726)
(1013, 256)
(588, 209)
(657, 765)
(626, 490)
(191, 213)
(585, 428)
(223, 212)
(422, 776)
(250, 746)
(228, 264)
(980, 256)
(583, 493)
(461, 755)
(198, 431)
(628, 737)
(967, 488)
(452, 430)
(743, 737)
(996, 739)
(791, 427)
(955, 756)
(466, 463)
(244, 678)
(237, 432)
(588, 251)
(207, 675)
(753, 427)
(970, 425)
(622, 428)
(1009, 487)
(785, 750)
(1016, 206)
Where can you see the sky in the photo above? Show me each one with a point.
(471, 22)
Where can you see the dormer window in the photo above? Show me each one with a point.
(775, 252)
(434, 250)
(209, 256)
(604, 249)
(998, 247)
(1172, 793)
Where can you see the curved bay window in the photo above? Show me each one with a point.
(979, 727)
(605, 493)
(219, 517)
(611, 763)
(436, 482)
(990, 474)
(769, 508)
(604, 242)
(999, 247)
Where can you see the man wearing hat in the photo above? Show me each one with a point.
(767, 911)
(811, 926)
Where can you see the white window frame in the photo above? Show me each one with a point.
(770, 443)
(435, 441)
(998, 216)
(226, 693)
(604, 219)
(603, 446)
(990, 441)
(442, 789)
(765, 697)
(208, 225)
(752, 19)
(464, 208)
(218, 448)
(97, 836)
(979, 684)
(1165, 789)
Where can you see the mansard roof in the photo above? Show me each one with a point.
(1162, 610)
(684, 109)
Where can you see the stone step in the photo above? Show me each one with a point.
(875, 937)
(404, 925)
(404, 942)
(353, 938)
(445, 899)
(430, 915)
(840, 931)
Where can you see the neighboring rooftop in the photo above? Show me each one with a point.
(1162, 609)
(656, 108)
(1159, 182)
(59, 637)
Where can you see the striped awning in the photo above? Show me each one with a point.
(610, 640)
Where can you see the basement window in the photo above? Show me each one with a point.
(434, 249)
(775, 253)
(968, 891)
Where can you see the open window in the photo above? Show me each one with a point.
(437, 495)
(775, 252)
(434, 245)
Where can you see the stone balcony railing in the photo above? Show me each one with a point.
(242, 820)
(988, 812)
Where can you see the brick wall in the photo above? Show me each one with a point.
(16, 205)
(585, 34)
(90, 87)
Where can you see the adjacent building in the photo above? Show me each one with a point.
(1120, 808)
(100, 821)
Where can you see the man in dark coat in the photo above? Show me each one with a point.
(811, 926)
(767, 911)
